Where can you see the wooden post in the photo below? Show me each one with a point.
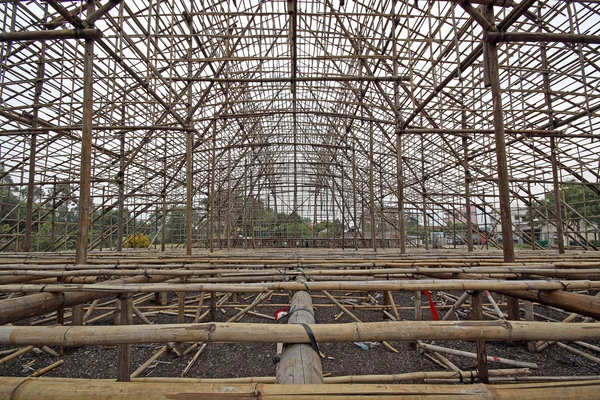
(477, 315)
(124, 350)
(300, 363)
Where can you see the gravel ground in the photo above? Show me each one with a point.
(240, 360)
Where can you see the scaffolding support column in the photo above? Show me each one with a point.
(86, 149)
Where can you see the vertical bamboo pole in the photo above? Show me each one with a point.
(315, 221)
(33, 149)
(212, 188)
(477, 315)
(556, 194)
(124, 350)
(163, 232)
(502, 167)
(418, 304)
(252, 209)
(213, 307)
(354, 198)
(529, 316)
(86, 162)
(189, 160)
(371, 187)
(465, 145)
(52, 217)
(245, 211)
(381, 210)
(121, 185)
(228, 219)
(86, 149)
(343, 202)
(531, 224)
(424, 189)
(398, 132)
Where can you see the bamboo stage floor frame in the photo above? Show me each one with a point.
(349, 276)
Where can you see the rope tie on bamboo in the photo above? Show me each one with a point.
(567, 287)
(146, 274)
(305, 277)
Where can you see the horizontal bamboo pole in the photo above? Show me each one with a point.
(347, 378)
(51, 35)
(56, 388)
(540, 37)
(268, 274)
(342, 78)
(392, 285)
(293, 333)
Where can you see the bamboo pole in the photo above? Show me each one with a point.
(60, 34)
(16, 354)
(481, 356)
(354, 317)
(519, 364)
(347, 378)
(34, 388)
(292, 333)
(149, 361)
(42, 371)
(193, 360)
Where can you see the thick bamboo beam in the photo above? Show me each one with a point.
(16, 309)
(573, 302)
(295, 333)
(88, 34)
(57, 388)
(540, 37)
(300, 363)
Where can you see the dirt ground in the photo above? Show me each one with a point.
(244, 360)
